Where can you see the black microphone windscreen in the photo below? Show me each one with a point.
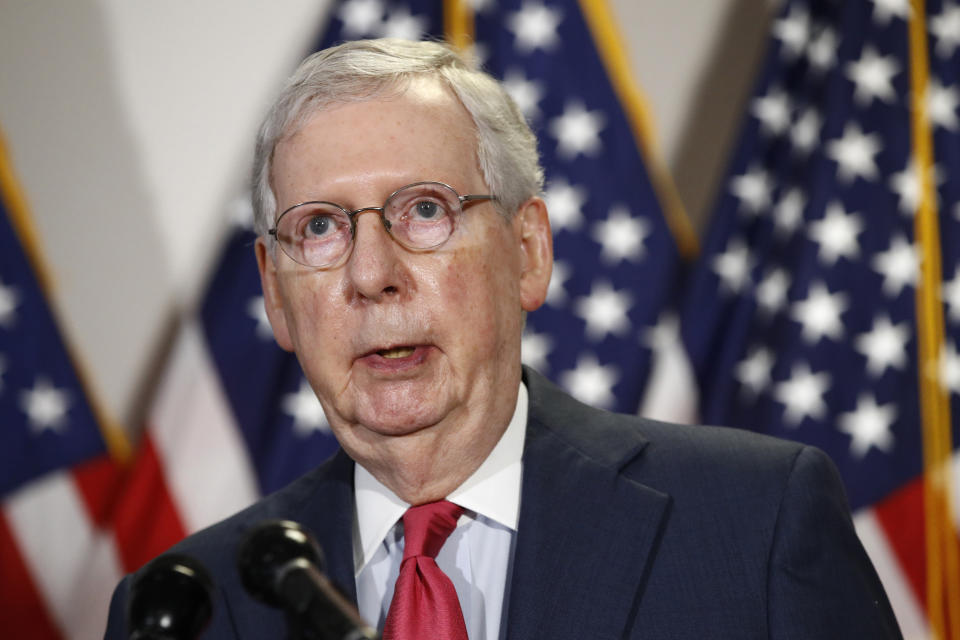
(171, 598)
(266, 550)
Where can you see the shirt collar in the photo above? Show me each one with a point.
(493, 490)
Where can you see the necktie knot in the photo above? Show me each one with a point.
(427, 526)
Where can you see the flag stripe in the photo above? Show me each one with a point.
(23, 609)
(146, 521)
(97, 481)
(190, 421)
(64, 560)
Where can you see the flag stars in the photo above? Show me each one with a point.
(950, 294)
(802, 395)
(591, 382)
(9, 300)
(948, 368)
(884, 346)
(883, 10)
(535, 349)
(604, 311)
(805, 133)
(899, 266)
(564, 205)
(556, 290)
(621, 236)
(535, 27)
(907, 185)
(360, 17)
(869, 426)
(822, 50)
(873, 76)
(942, 105)
(788, 212)
(754, 189)
(45, 406)
(772, 291)
(258, 312)
(577, 131)
(819, 313)
(773, 111)
(854, 153)
(526, 93)
(836, 233)
(754, 371)
(945, 27)
(733, 266)
(306, 411)
(400, 23)
(793, 30)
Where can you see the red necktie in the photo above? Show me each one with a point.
(425, 604)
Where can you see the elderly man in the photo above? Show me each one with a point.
(402, 240)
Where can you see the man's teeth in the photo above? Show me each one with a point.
(396, 352)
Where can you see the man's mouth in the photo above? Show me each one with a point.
(396, 352)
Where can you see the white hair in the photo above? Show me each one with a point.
(367, 69)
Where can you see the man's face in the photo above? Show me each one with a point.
(398, 343)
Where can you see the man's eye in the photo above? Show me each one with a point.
(319, 226)
(427, 210)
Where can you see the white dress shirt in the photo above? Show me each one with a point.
(477, 556)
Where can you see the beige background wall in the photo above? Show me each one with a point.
(130, 124)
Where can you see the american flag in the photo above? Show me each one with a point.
(233, 417)
(826, 305)
(57, 475)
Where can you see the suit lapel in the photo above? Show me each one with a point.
(587, 533)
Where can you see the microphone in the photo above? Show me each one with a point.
(281, 565)
(170, 599)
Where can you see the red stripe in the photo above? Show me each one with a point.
(98, 482)
(901, 516)
(146, 521)
(22, 610)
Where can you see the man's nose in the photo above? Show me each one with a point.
(374, 266)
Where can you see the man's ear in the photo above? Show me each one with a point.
(536, 242)
(272, 298)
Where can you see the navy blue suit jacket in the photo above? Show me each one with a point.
(628, 528)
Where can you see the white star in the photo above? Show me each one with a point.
(802, 395)
(806, 131)
(535, 27)
(306, 410)
(734, 266)
(564, 203)
(906, 184)
(604, 311)
(526, 93)
(899, 266)
(869, 426)
(836, 233)
(258, 312)
(948, 368)
(854, 153)
(556, 292)
(773, 111)
(591, 382)
(621, 236)
(822, 50)
(884, 346)
(950, 294)
(946, 27)
(9, 299)
(360, 17)
(873, 76)
(534, 350)
(753, 372)
(942, 104)
(400, 23)
(793, 31)
(788, 212)
(819, 313)
(577, 131)
(753, 188)
(772, 291)
(45, 406)
(883, 10)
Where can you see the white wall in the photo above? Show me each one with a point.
(130, 124)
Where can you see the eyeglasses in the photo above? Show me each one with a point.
(420, 217)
